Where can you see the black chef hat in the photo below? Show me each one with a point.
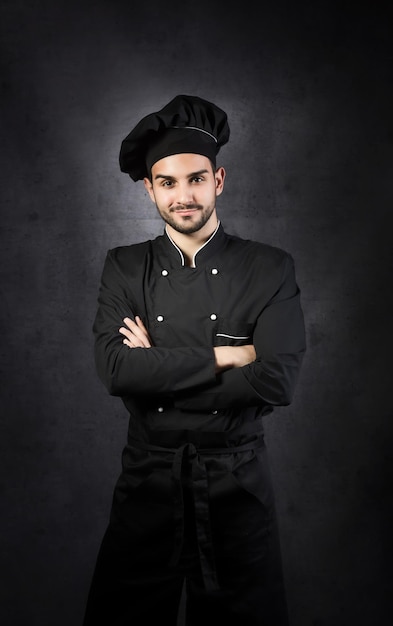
(185, 124)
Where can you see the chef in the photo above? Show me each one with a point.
(201, 334)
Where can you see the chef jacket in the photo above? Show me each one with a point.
(236, 292)
(239, 292)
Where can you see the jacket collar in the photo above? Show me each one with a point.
(206, 251)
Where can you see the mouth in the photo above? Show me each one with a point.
(186, 210)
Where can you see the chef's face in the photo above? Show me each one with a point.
(184, 188)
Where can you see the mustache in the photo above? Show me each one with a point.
(185, 207)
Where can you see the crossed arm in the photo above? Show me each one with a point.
(226, 357)
(200, 377)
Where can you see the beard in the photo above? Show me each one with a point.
(188, 224)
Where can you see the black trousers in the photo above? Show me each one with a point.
(202, 516)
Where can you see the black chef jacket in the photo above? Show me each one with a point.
(237, 292)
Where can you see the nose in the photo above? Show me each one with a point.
(184, 194)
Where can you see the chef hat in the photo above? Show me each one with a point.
(187, 124)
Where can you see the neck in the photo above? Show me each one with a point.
(190, 243)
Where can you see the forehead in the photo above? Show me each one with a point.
(178, 165)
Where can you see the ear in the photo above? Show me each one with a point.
(149, 188)
(220, 177)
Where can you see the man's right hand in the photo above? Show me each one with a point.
(228, 357)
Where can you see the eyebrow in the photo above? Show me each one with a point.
(168, 177)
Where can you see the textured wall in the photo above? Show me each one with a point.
(308, 91)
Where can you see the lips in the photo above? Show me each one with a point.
(186, 210)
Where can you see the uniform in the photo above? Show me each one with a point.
(194, 498)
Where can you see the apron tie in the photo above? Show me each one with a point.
(189, 452)
(202, 512)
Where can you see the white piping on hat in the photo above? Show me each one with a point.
(195, 128)
(231, 336)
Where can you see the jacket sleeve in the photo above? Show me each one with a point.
(279, 340)
(133, 371)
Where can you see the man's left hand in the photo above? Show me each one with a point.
(135, 333)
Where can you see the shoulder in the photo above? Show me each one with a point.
(123, 255)
(258, 252)
(260, 264)
(129, 260)
(134, 253)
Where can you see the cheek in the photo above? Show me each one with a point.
(163, 200)
(156, 195)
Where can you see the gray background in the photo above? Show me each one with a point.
(308, 90)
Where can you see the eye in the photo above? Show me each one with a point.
(197, 179)
(167, 183)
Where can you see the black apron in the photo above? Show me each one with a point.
(197, 506)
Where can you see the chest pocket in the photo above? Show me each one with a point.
(232, 332)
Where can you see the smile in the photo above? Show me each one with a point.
(186, 211)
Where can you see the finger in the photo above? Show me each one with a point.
(128, 343)
(137, 323)
(140, 324)
(138, 332)
(126, 332)
(143, 328)
(133, 326)
(132, 339)
(129, 322)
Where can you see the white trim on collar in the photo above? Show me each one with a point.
(183, 261)
(205, 244)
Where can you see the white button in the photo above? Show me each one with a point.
(214, 271)
(213, 316)
(160, 318)
(214, 412)
(164, 273)
(160, 409)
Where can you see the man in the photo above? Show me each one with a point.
(201, 334)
